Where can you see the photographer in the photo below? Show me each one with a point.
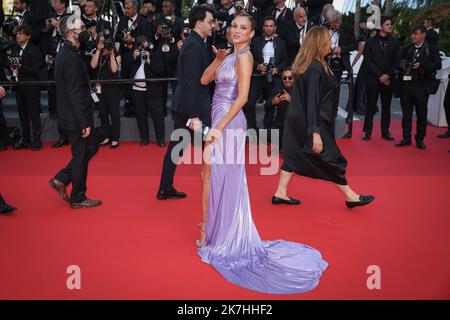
(282, 15)
(167, 35)
(146, 96)
(381, 56)
(130, 26)
(276, 108)
(97, 27)
(26, 63)
(52, 42)
(342, 43)
(28, 18)
(105, 64)
(270, 57)
(418, 65)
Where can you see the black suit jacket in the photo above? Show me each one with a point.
(432, 37)
(30, 63)
(280, 57)
(292, 38)
(153, 70)
(347, 43)
(143, 27)
(315, 7)
(285, 16)
(191, 97)
(36, 24)
(430, 62)
(378, 63)
(74, 103)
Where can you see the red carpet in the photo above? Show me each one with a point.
(135, 247)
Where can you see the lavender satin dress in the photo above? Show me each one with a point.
(233, 246)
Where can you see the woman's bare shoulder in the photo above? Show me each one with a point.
(245, 57)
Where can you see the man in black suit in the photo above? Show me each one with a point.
(268, 52)
(75, 113)
(191, 100)
(432, 36)
(321, 18)
(27, 68)
(295, 33)
(315, 7)
(419, 64)
(130, 26)
(30, 18)
(281, 14)
(381, 57)
(96, 26)
(342, 43)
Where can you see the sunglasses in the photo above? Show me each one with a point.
(287, 78)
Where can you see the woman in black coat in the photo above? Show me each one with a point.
(309, 145)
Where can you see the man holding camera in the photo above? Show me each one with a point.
(418, 66)
(168, 33)
(281, 14)
(26, 63)
(75, 114)
(270, 57)
(146, 96)
(381, 57)
(275, 115)
(130, 26)
(342, 43)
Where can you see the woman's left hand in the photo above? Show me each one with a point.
(213, 135)
(317, 143)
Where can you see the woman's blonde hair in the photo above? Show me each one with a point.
(311, 49)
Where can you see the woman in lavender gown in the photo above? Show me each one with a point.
(230, 241)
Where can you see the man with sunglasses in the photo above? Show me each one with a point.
(277, 107)
(75, 113)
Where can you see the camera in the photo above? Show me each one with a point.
(239, 5)
(270, 65)
(13, 60)
(405, 68)
(144, 54)
(164, 29)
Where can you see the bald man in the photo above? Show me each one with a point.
(295, 32)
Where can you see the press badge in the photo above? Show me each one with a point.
(98, 88)
(407, 78)
(94, 97)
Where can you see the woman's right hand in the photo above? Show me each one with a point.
(317, 143)
(100, 46)
(136, 54)
(220, 54)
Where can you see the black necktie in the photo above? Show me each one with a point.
(265, 40)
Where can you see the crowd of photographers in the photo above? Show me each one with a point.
(145, 44)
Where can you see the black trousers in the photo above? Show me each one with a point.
(76, 171)
(447, 105)
(169, 165)
(109, 104)
(143, 106)
(413, 96)
(52, 101)
(385, 93)
(258, 87)
(3, 127)
(28, 105)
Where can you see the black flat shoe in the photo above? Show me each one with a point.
(114, 146)
(6, 208)
(403, 143)
(363, 200)
(36, 146)
(173, 194)
(444, 135)
(387, 137)
(291, 201)
(420, 145)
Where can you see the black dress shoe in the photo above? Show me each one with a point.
(6, 208)
(388, 137)
(161, 143)
(444, 135)
(420, 145)
(144, 142)
(291, 201)
(366, 137)
(35, 146)
(21, 145)
(173, 194)
(61, 142)
(403, 143)
(3, 146)
(363, 200)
